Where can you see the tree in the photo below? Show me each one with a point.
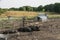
(28, 8)
(14, 9)
(49, 8)
(34, 8)
(57, 7)
(40, 8)
(53, 7)
(22, 9)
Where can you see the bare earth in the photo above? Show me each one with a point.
(48, 31)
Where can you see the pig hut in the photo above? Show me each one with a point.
(42, 17)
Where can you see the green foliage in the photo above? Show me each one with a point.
(57, 7)
(13, 9)
(2, 11)
(34, 8)
(49, 8)
(29, 8)
(53, 7)
(40, 8)
(21, 9)
(26, 8)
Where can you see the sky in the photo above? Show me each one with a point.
(20, 3)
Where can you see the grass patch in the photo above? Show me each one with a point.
(53, 16)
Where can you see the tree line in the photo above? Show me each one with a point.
(27, 8)
(53, 7)
(47, 8)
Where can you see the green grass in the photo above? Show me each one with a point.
(50, 15)
(53, 16)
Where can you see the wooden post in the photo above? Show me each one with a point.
(23, 21)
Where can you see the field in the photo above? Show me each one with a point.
(19, 14)
(26, 14)
(49, 30)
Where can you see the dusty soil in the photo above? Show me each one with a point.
(48, 31)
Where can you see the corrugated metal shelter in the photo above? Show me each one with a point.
(43, 17)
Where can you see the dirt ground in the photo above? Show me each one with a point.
(49, 30)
